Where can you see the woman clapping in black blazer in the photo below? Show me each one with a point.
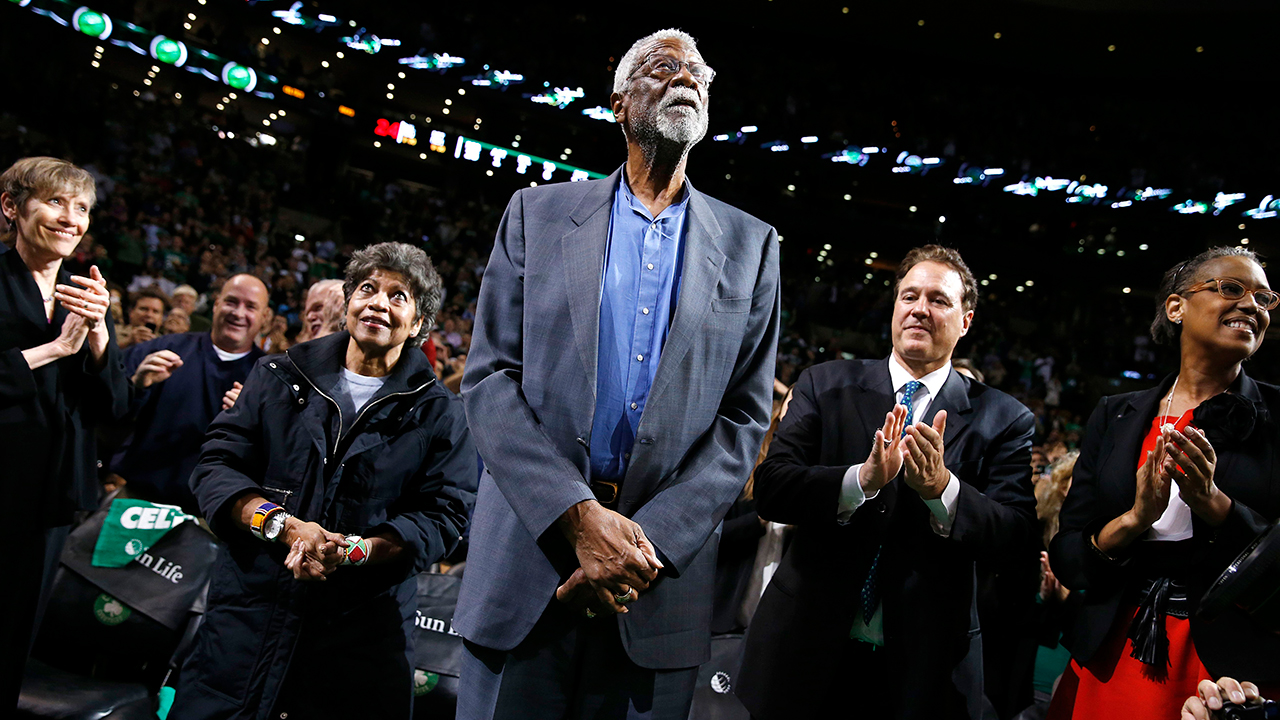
(1171, 484)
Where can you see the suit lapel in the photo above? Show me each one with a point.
(1131, 430)
(877, 398)
(703, 261)
(582, 253)
(954, 398)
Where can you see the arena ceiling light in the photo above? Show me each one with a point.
(239, 76)
(169, 51)
(89, 22)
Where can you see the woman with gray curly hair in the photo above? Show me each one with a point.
(343, 471)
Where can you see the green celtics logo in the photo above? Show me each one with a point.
(424, 682)
(110, 611)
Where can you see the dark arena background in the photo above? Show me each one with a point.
(1071, 150)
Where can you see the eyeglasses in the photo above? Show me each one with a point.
(1235, 290)
(664, 66)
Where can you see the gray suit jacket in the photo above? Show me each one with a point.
(529, 392)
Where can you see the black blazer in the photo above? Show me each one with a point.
(735, 560)
(1103, 488)
(47, 414)
(801, 627)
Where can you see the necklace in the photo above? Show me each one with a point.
(1169, 403)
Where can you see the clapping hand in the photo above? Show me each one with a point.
(1154, 484)
(1190, 463)
(231, 396)
(885, 460)
(156, 367)
(926, 472)
(92, 303)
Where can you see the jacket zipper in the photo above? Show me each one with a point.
(338, 442)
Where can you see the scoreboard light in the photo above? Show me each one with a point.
(89, 22)
(169, 51)
(294, 92)
(240, 77)
(344, 110)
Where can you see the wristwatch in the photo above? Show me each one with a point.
(273, 528)
(268, 521)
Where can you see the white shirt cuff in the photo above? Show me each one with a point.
(851, 494)
(943, 509)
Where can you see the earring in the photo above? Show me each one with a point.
(1178, 321)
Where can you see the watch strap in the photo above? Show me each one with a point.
(261, 514)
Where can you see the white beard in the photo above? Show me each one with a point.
(683, 129)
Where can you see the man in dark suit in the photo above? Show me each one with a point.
(618, 390)
(896, 474)
(181, 382)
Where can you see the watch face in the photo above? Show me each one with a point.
(275, 523)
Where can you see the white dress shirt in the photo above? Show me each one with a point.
(942, 509)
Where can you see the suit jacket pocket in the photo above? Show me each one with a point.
(731, 305)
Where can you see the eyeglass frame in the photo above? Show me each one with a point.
(1216, 283)
(680, 65)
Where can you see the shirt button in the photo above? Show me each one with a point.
(639, 358)
(645, 311)
(650, 266)
(634, 406)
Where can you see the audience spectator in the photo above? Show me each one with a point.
(187, 299)
(324, 310)
(147, 308)
(181, 383)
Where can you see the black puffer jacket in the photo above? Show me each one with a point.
(406, 465)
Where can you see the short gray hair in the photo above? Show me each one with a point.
(410, 262)
(632, 58)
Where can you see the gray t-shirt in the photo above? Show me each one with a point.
(354, 391)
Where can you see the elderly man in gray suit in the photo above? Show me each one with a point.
(618, 389)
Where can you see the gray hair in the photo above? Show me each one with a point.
(1178, 278)
(410, 262)
(632, 58)
(321, 285)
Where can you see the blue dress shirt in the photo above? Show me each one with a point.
(643, 258)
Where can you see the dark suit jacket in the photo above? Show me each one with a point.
(529, 392)
(47, 415)
(170, 418)
(1103, 488)
(734, 563)
(801, 629)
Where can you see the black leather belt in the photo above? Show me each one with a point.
(606, 492)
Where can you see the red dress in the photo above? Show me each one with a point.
(1113, 684)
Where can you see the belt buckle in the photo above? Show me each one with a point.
(600, 488)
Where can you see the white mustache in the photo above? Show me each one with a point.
(682, 94)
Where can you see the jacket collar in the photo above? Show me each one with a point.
(582, 251)
(1146, 402)
(323, 360)
(26, 292)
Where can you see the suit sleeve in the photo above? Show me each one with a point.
(232, 454)
(17, 379)
(431, 514)
(684, 513)
(791, 486)
(999, 514)
(537, 480)
(1077, 565)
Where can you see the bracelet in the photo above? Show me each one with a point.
(357, 551)
(1093, 543)
(260, 516)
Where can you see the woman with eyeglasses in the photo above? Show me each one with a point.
(1171, 484)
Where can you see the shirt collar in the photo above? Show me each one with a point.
(899, 376)
(672, 211)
